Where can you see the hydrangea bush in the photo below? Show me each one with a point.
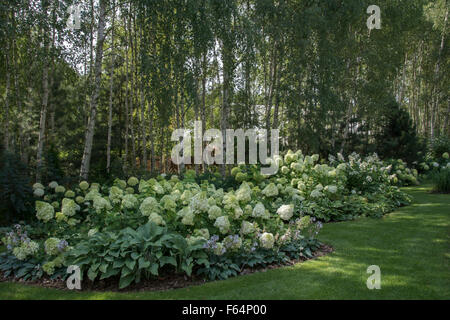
(204, 228)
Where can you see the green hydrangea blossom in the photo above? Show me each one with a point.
(44, 211)
(69, 194)
(60, 189)
(267, 240)
(132, 181)
(149, 205)
(223, 224)
(129, 202)
(157, 219)
(286, 212)
(101, 204)
(84, 185)
(270, 191)
(115, 195)
(214, 212)
(259, 211)
(69, 207)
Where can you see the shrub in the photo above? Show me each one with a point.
(441, 180)
(15, 188)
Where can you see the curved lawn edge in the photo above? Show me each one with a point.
(410, 245)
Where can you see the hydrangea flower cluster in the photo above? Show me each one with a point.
(232, 242)
(286, 212)
(20, 244)
(223, 224)
(129, 202)
(55, 246)
(148, 206)
(259, 211)
(69, 207)
(267, 240)
(44, 211)
(101, 204)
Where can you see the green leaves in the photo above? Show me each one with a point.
(133, 253)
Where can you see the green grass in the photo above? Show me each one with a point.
(411, 246)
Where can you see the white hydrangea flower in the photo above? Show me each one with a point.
(129, 202)
(214, 212)
(100, 203)
(115, 195)
(92, 194)
(232, 242)
(69, 207)
(148, 206)
(223, 224)
(199, 203)
(168, 203)
(133, 181)
(244, 193)
(271, 190)
(157, 219)
(53, 184)
(286, 211)
(187, 216)
(204, 233)
(60, 189)
(44, 211)
(79, 199)
(332, 188)
(259, 211)
(267, 240)
(39, 192)
(158, 188)
(247, 227)
(84, 185)
(37, 185)
(236, 213)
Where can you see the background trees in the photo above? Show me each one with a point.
(104, 99)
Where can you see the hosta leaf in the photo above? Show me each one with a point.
(154, 269)
(143, 264)
(125, 281)
(130, 263)
(167, 260)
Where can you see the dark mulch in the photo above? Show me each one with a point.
(164, 282)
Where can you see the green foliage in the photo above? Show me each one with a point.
(11, 266)
(398, 137)
(137, 254)
(441, 180)
(15, 188)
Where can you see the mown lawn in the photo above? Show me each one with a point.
(410, 245)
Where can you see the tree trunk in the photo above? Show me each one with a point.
(85, 162)
(43, 118)
(111, 85)
(436, 92)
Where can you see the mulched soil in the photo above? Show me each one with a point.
(164, 282)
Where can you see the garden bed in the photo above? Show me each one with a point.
(164, 282)
(128, 232)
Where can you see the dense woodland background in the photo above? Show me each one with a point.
(102, 101)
